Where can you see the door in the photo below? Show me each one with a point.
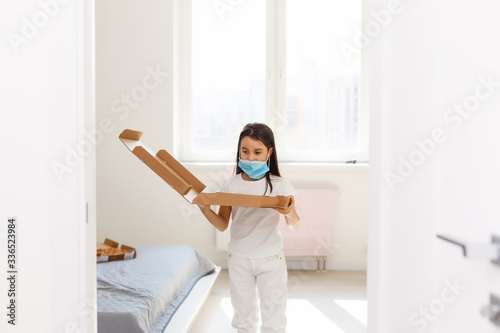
(46, 172)
(434, 169)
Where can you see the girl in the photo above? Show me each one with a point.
(255, 256)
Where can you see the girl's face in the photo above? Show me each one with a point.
(253, 150)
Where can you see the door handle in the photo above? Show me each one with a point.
(492, 311)
(477, 251)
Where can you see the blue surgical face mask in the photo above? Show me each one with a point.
(254, 169)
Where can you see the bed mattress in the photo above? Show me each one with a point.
(142, 294)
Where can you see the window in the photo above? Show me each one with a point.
(277, 62)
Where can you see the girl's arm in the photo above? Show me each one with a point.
(220, 220)
(291, 216)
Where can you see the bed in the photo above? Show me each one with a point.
(160, 291)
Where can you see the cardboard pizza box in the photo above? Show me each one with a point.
(186, 184)
(111, 251)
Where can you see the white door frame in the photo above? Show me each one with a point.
(87, 179)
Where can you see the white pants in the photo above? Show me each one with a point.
(268, 276)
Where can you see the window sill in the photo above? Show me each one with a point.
(287, 165)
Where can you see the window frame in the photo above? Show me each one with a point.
(275, 91)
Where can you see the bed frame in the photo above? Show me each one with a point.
(186, 313)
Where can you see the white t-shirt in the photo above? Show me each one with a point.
(254, 231)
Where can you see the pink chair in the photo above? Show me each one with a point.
(313, 235)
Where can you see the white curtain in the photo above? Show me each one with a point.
(434, 163)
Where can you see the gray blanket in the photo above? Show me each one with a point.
(141, 295)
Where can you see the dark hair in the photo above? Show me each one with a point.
(263, 133)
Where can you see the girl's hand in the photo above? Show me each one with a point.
(290, 209)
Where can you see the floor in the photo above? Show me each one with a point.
(333, 302)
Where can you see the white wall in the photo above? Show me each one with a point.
(135, 206)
